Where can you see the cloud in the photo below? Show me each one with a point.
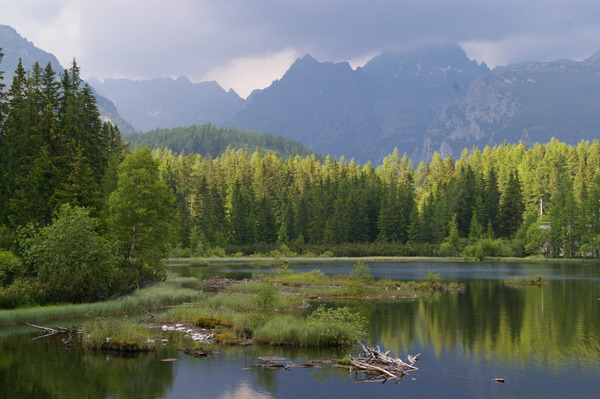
(248, 73)
(572, 44)
(211, 38)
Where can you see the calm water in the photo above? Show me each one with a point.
(545, 342)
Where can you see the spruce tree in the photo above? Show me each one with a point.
(511, 207)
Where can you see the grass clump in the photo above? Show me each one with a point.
(116, 334)
(324, 327)
(211, 323)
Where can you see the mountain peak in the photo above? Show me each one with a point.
(594, 59)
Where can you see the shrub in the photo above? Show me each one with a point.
(10, 268)
(447, 250)
(336, 326)
(361, 271)
(433, 279)
(73, 262)
(22, 292)
(266, 297)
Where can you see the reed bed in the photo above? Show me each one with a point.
(167, 293)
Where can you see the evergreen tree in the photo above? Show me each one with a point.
(511, 207)
(491, 201)
(465, 194)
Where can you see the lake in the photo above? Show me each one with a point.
(544, 341)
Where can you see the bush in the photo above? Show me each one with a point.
(447, 250)
(72, 261)
(361, 272)
(266, 297)
(10, 268)
(336, 326)
(22, 292)
(434, 280)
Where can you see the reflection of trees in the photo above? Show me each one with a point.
(556, 324)
(45, 369)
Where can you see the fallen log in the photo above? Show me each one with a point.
(197, 352)
(53, 330)
(377, 366)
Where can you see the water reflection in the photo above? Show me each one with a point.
(245, 391)
(545, 340)
(46, 368)
(556, 325)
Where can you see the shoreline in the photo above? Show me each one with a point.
(376, 259)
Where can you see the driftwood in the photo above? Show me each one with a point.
(377, 366)
(197, 352)
(54, 330)
(280, 363)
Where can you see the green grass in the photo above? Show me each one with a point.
(324, 327)
(315, 283)
(168, 293)
(116, 334)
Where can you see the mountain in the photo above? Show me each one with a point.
(14, 46)
(531, 103)
(168, 103)
(323, 105)
(362, 113)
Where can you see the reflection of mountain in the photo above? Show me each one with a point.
(554, 325)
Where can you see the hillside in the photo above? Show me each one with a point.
(211, 141)
(15, 47)
(531, 103)
(169, 103)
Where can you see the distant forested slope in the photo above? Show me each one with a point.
(211, 141)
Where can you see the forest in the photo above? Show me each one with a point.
(81, 218)
(84, 218)
(508, 200)
(212, 141)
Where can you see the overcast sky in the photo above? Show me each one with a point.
(246, 44)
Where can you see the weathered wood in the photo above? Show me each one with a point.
(377, 366)
(196, 352)
(53, 330)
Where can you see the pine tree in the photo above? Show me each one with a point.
(511, 207)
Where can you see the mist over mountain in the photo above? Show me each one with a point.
(15, 47)
(169, 103)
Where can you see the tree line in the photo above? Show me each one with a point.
(507, 200)
(81, 218)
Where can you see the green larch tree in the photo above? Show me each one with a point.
(141, 213)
